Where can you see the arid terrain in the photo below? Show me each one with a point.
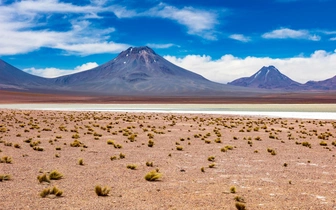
(206, 161)
(9, 97)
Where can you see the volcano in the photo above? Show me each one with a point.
(140, 71)
(12, 78)
(268, 78)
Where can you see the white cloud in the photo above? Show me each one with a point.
(287, 33)
(333, 39)
(198, 22)
(98, 2)
(17, 37)
(318, 66)
(55, 72)
(92, 48)
(47, 6)
(240, 37)
(19, 22)
(161, 46)
(327, 32)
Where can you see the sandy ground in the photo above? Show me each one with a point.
(260, 178)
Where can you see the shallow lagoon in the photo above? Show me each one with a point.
(307, 111)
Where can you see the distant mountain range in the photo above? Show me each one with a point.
(139, 71)
(135, 71)
(271, 78)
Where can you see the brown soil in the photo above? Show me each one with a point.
(260, 178)
(276, 98)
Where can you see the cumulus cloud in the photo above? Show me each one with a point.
(55, 72)
(198, 22)
(287, 33)
(318, 66)
(240, 37)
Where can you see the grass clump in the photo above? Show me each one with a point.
(102, 191)
(272, 151)
(55, 175)
(122, 156)
(81, 162)
(211, 158)
(5, 177)
(150, 143)
(110, 142)
(306, 144)
(149, 164)
(43, 178)
(75, 136)
(239, 199)
(240, 206)
(153, 176)
(218, 140)
(6, 159)
(132, 166)
(40, 149)
(212, 165)
(8, 144)
(233, 189)
(76, 143)
(45, 192)
(179, 148)
(53, 191)
(323, 143)
(226, 148)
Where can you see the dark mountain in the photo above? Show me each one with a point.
(268, 78)
(13, 78)
(328, 84)
(140, 71)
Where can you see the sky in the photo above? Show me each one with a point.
(220, 39)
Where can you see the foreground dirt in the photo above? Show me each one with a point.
(294, 176)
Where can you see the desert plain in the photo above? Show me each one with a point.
(205, 161)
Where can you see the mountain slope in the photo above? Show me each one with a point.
(13, 78)
(328, 84)
(140, 71)
(267, 78)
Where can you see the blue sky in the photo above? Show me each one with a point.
(222, 40)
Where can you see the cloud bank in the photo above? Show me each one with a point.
(229, 67)
(28, 25)
(55, 72)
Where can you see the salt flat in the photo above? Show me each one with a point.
(303, 111)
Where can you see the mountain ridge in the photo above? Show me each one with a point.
(137, 71)
(267, 78)
(140, 71)
(14, 78)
